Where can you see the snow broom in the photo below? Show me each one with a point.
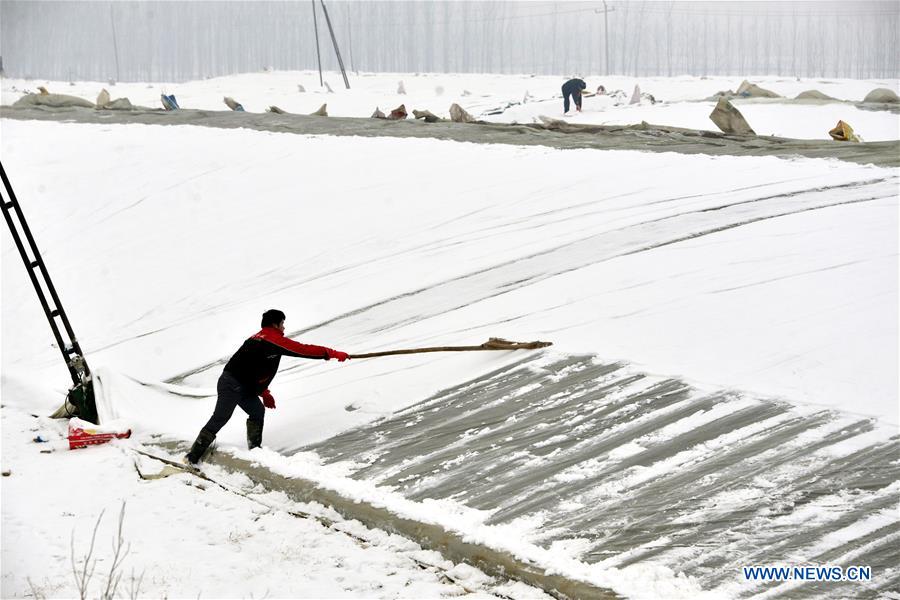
(491, 344)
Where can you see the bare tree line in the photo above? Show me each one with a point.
(182, 40)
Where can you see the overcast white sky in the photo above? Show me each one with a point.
(183, 40)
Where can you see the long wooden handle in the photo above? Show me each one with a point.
(491, 344)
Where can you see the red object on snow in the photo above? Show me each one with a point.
(83, 434)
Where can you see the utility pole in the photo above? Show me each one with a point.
(318, 55)
(112, 20)
(337, 50)
(605, 12)
(350, 42)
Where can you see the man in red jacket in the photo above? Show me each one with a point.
(246, 379)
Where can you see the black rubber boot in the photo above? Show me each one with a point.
(201, 445)
(254, 434)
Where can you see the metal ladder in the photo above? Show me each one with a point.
(81, 394)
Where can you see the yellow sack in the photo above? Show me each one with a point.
(843, 133)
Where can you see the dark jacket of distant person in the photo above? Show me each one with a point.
(573, 88)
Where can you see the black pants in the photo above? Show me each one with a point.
(576, 96)
(231, 394)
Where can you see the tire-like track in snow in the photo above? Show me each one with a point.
(680, 221)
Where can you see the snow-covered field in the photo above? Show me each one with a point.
(772, 277)
(523, 98)
(188, 538)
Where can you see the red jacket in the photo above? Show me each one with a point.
(256, 361)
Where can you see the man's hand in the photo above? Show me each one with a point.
(340, 356)
(268, 400)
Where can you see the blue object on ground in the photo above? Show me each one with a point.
(169, 102)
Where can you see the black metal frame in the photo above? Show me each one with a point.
(71, 351)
